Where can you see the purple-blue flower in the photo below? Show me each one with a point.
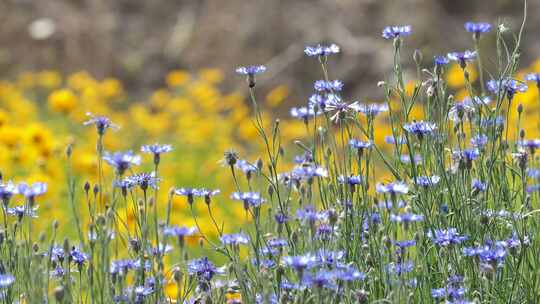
(396, 31)
(122, 161)
(426, 181)
(533, 77)
(250, 199)
(420, 128)
(462, 57)
(234, 239)
(392, 188)
(440, 60)
(32, 190)
(328, 86)
(6, 280)
(446, 237)
(508, 85)
(477, 27)
(303, 113)
(102, 123)
(321, 50)
(7, 190)
(372, 109)
(406, 218)
(251, 70)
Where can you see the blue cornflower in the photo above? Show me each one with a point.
(308, 172)
(304, 158)
(328, 86)
(234, 239)
(460, 110)
(304, 113)
(31, 191)
(446, 237)
(488, 122)
(440, 60)
(78, 257)
(321, 50)
(246, 167)
(508, 85)
(420, 128)
(277, 243)
(207, 194)
(490, 253)
(479, 141)
(156, 150)
(400, 268)
(7, 191)
(372, 109)
(144, 180)
(462, 57)
(426, 181)
(392, 188)
(533, 173)
(465, 158)
(189, 193)
(318, 101)
(102, 123)
(406, 218)
(179, 232)
(478, 185)
(281, 218)
(352, 180)
(341, 109)
(299, 262)
(250, 199)
(251, 70)
(328, 258)
(123, 266)
(533, 188)
(124, 184)
(404, 244)
(406, 159)
(531, 144)
(6, 280)
(122, 161)
(396, 31)
(202, 268)
(310, 214)
(477, 28)
(349, 273)
(533, 77)
(360, 145)
(21, 211)
(321, 279)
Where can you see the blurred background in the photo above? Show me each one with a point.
(137, 41)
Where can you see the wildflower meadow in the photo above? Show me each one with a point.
(200, 195)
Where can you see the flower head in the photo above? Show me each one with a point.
(328, 86)
(427, 181)
(122, 161)
(234, 239)
(420, 128)
(392, 188)
(508, 86)
(446, 237)
(462, 57)
(440, 60)
(321, 50)
(303, 113)
(477, 28)
(372, 109)
(533, 77)
(250, 199)
(143, 180)
(251, 70)
(102, 123)
(7, 190)
(396, 31)
(32, 190)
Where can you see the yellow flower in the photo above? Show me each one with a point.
(455, 77)
(62, 101)
(111, 88)
(10, 136)
(212, 76)
(276, 96)
(177, 78)
(49, 79)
